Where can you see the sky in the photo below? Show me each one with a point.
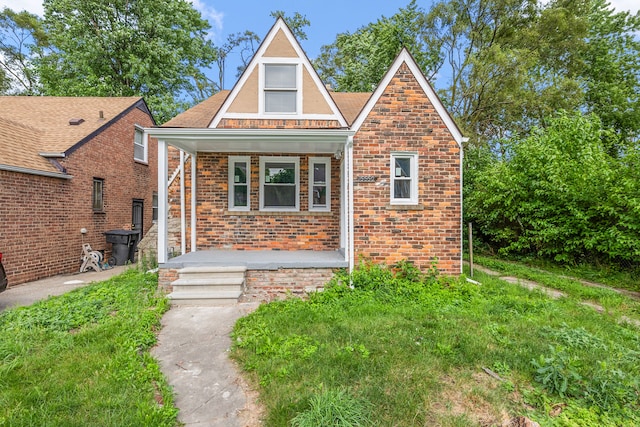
(327, 17)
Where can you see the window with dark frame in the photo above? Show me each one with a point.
(98, 195)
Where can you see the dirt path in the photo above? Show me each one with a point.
(555, 294)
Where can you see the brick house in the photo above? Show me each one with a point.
(69, 164)
(293, 180)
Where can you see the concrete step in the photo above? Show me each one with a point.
(204, 299)
(209, 281)
(217, 270)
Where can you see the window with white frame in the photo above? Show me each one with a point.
(280, 88)
(139, 146)
(279, 183)
(319, 183)
(404, 178)
(239, 183)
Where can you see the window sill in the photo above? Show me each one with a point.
(277, 213)
(99, 212)
(416, 207)
(141, 162)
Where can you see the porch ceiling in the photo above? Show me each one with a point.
(253, 140)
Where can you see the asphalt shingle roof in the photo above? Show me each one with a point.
(30, 125)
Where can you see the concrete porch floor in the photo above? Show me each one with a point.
(258, 260)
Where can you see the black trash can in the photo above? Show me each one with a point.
(123, 245)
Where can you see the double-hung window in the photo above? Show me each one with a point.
(404, 178)
(239, 183)
(279, 183)
(280, 88)
(139, 146)
(97, 195)
(319, 184)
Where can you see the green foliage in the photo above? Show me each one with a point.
(559, 195)
(411, 349)
(83, 358)
(155, 49)
(357, 62)
(333, 408)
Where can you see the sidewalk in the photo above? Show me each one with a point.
(30, 292)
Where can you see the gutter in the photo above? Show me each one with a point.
(35, 172)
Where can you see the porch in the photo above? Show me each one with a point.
(214, 277)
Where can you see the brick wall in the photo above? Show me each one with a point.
(404, 120)
(268, 285)
(42, 217)
(219, 228)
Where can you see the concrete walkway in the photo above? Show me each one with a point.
(193, 350)
(28, 293)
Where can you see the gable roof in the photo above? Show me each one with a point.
(35, 127)
(405, 58)
(279, 46)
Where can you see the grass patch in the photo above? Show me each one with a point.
(615, 303)
(83, 358)
(410, 349)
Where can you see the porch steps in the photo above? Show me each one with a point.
(208, 286)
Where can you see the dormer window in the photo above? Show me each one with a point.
(280, 88)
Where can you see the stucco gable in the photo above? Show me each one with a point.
(247, 100)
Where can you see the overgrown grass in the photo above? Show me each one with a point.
(82, 359)
(409, 350)
(615, 303)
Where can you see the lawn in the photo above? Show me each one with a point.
(405, 349)
(82, 359)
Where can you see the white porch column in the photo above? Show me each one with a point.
(183, 217)
(194, 160)
(350, 202)
(162, 201)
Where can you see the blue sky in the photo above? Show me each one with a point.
(327, 17)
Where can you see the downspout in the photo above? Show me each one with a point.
(183, 218)
(162, 201)
(194, 158)
(350, 202)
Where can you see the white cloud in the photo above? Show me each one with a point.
(33, 6)
(622, 5)
(209, 13)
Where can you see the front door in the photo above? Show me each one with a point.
(137, 217)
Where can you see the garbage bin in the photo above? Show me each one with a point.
(123, 245)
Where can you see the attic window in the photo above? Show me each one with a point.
(280, 88)
(75, 122)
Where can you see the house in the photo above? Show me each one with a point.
(71, 168)
(280, 181)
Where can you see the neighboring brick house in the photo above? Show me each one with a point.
(294, 180)
(69, 164)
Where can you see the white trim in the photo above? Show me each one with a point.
(183, 212)
(405, 57)
(194, 192)
(287, 159)
(231, 181)
(326, 161)
(262, 88)
(350, 215)
(413, 179)
(28, 171)
(162, 201)
(259, 58)
(144, 143)
(280, 116)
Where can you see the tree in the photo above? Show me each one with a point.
(20, 33)
(297, 23)
(152, 48)
(357, 62)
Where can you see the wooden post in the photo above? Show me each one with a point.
(471, 249)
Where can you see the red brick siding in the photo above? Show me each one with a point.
(404, 120)
(42, 217)
(267, 285)
(219, 228)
